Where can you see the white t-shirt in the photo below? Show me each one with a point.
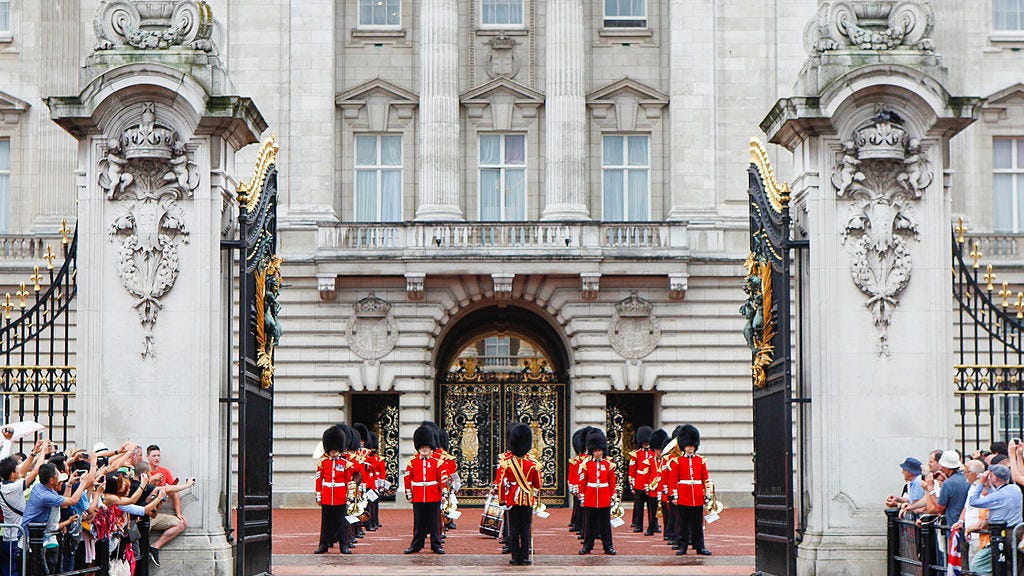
(972, 514)
(13, 492)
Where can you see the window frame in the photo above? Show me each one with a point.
(361, 26)
(1008, 31)
(379, 169)
(502, 167)
(5, 206)
(606, 19)
(625, 168)
(7, 34)
(1016, 172)
(509, 26)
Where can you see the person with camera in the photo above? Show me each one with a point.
(946, 489)
(46, 499)
(16, 476)
(1003, 500)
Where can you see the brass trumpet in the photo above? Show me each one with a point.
(617, 510)
(714, 504)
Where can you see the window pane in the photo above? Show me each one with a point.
(1019, 227)
(613, 196)
(379, 13)
(490, 194)
(515, 195)
(488, 13)
(1020, 154)
(490, 149)
(501, 14)
(515, 149)
(613, 150)
(391, 150)
(366, 150)
(5, 15)
(639, 8)
(5, 154)
(1002, 202)
(365, 12)
(391, 196)
(5, 203)
(366, 196)
(394, 12)
(611, 7)
(516, 12)
(638, 151)
(638, 198)
(1002, 154)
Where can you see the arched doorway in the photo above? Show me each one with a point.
(497, 366)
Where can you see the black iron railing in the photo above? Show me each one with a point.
(920, 547)
(37, 368)
(988, 377)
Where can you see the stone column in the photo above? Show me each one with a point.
(691, 105)
(870, 145)
(565, 112)
(438, 197)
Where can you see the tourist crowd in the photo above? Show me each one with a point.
(92, 502)
(966, 496)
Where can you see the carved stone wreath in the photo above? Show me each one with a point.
(634, 331)
(372, 331)
(154, 25)
(882, 171)
(146, 172)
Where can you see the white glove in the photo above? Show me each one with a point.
(408, 495)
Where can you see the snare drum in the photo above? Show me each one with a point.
(494, 514)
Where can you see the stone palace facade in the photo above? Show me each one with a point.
(529, 188)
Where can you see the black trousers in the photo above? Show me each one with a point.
(691, 526)
(375, 514)
(332, 526)
(426, 518)
(671, 516)
(598, 524)
(576, 520)
(520, 523)
(652, 513)
(639, 500)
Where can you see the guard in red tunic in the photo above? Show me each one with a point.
(504, 539)
(669, 454)
(597, 485)
(379, 474)
(640, 472)
(332, 476)
(579, 446)
(424, 485)
(654, 485)
(688, 478)
(519, 487)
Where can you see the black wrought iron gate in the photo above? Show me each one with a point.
(477, 407)
(767, 331)
(259, 283)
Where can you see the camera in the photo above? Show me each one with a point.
(1015, 440)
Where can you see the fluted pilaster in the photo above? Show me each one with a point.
(565, 192)
(439, 111)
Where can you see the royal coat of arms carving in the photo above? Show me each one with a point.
(372, 331)
(634, 332)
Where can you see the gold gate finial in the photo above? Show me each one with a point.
(249, 192)
(1006, 293)
(778, 194)
(976, 255)
(989, 277)
(960, 230)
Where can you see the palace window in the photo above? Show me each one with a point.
(5, 16)
(1008, 184)
(380, 13)
(378, 178)
(502, 177)
(625, 13)
(627, 176)
(5, 185)
(1008, 15)
(502, 13)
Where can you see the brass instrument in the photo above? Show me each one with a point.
(617, 510)
(539, 508)
(659, 513)
(714, 505)
(449, 504)
(357, 502)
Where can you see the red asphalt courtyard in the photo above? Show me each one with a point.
(296, 532)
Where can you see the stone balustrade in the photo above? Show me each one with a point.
(999, 247)
(625, 239)
(20, 250)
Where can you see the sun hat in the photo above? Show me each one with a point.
(950, 459)
(912, 465)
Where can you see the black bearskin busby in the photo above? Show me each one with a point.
(596, 440)
(579, 440)
(443, 441)
(643, 435)
(364, 432)
(334, 439)
(520, 440)
(659, 439)
(689, 436)
(354, 441)
(424, 436)
(435, 430)
(372, 443)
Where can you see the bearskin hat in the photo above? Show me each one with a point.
(520, 440)
(579, 440)
(659, 439)
(643, 435)
(676, 431)
(334, 439)
(424, 436)
(443, 441)
(435, 430)
(689, 436)
(596, 440)
(372, 443)
(354, 441)
(364, 432)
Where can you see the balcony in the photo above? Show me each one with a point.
(998, 248)
(23, 251)
(502, 240)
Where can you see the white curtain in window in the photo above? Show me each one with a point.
(391, 196)
(366, 196)
(1020, 203)
(490, 194)
(5, 186)
(5, 16)
(515, 149)
(391, 150)
(638, 197)
(613, 204)
(1002, 154)
(638, 151)
(1002, 202)
(515, 194)
(613, 151)
(490, 149)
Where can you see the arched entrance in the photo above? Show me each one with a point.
(497, 366)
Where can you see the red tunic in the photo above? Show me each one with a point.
(641, 468)
(655, 478)
(512, 493)
(687, 478)
(666, 470)
(332, 478)
(424, 479)
(597, 483)
(501, 468)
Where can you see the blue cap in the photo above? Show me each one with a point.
(912, 465)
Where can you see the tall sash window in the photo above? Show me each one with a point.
(378, 178)
(502, 177)
(1008, 184)
(626, 178)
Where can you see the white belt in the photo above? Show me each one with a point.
(691, 482)
(597, 485)
(431, 483)
(334, 484)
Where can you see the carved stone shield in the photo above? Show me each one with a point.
(634, 332)
(372, 330)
